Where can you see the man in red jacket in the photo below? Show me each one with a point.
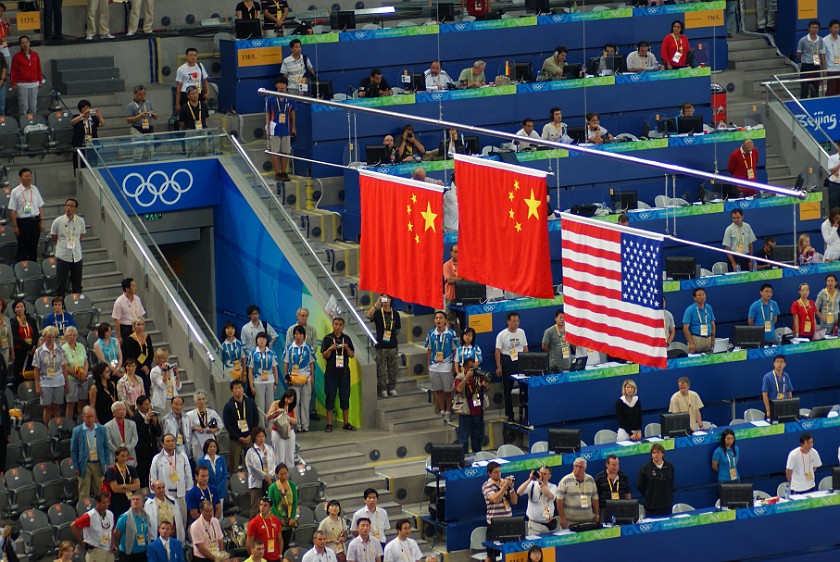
(27, 76)
(743, 163)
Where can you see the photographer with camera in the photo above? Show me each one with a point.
(205, 423)
(471, 385)
(410, 146)
(499, 496)
(541, 501)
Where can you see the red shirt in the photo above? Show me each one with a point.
(477, 7)
(268, 531)
(804, 314)
(449, 270)
(26, 69)
(740, 162)
(669, 49)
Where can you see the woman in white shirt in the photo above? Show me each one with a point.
(165, 382)
(830, 235)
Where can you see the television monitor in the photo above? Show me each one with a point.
(835, 478)
(736, 495)
(690, 124)
(616, 63)
(471, 145)
(447, 456)
(414, 81)
(507, 529)
(445, 11)
(321, 89)
(675, 425)
(344, 19)
(680, 267)
(469, 292)
(247, 29)
(537, 7)
(784, 254)
(625, 512)
(563, 440)
(666, 126)
(625, 200)
(748, 337)
(785, 410)
(819, 412)
(522, 72)
(533, 363)
(592, 66)
(577, 134)
(376, 154)
(571, 71)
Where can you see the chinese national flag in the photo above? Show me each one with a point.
(503, 226)
(402, 238)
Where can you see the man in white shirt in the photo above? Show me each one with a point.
(173, 468)
(641, 59)
(376, 516)
(127, 308)
(25, 204)
(319, 552)
(95, 528)
(296, 67)
(541, 500)
(191, 73)
(832, 58)
(510, 342)
(802, 464)
(437, 79)
(403, 548)
(364, 548)
(249, 331)
(66, 234)
(204, 424)
(685, 400)
(161, 508)
(527, 130)
(555, 130)
(177, 423)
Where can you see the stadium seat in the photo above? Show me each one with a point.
(760, 495)
(489, 455)
(652, 430)
(310, 487)
(44, 245)
(9, 136)
(321, 511)
(720, 268)
(62, 131)
(82, 309)
(68, 475)
(508, 450)
(30, 280)
(43, 306)
(50, 271)
(61, 515)
(8, 244)
(293, 554)
(234, 528)
(14, 450)
(239, 492)
(48, 483)
(35, 134)
(8, 282)
(605, 436)
(825, 483)
(36, 533)
(37, 445)
(60, 430)
(780, 489)
(681, 508)
(4, 495)
(738, 421)
(753, 414)
(29, 401)
(477, 538)
(538, 447)
(84, 505)
(22, 492)
(306, 526)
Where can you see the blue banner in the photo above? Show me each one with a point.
(167, 186)
(824, 112)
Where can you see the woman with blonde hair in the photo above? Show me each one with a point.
(66, 550)
(165, 382)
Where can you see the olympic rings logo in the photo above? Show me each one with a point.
(646, 527)
(361, 35)
(136, 187)
(471, 472)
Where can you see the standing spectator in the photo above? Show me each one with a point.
(274, 16)
(165, 381)
(24, 339)
(266, 528)
(541, 501)
(127, 308)
(554, 342)
(50, 370)
(450, 278)
(25, 203)
(163, 509)
(148, 433)
(175, 422)
(628, 411)
(577, 496)
(216, 467)
(232, 352)
(613, 484)
(280, 126)
(401, 549)
(193, 113)
(95, 528)
(5, 26)
(441, 346)
(139, 113)
(467, 351)
(320, 553)
(302, 316)
(139, 348)
(206, 534)
(656, 483)
(85, 128)
(804, 313)
(386, 320)
(510, 342)
(257, 552)
(122, 433)
(284, 501)
(830, 234)
(173, 468)
(60, 319)
(766, 15)
(107, 351)
(249, 331)
(335, 528)
(4, 74)
(205, 424)
(247, 10)
(685, 400)
(811, 53)
(499, 495)
(827, 305)
(699, 324)
(102, 28)
(259, 461)
(376, 517)
(725, 458)
(102, 393)
(240, 417)
(296, 67)
(191, 73)
(743, 162)
(77, 373)
(337, 349)
(132, 531)
(262, 374)
(363, 548)
(675, 47)
(776, 384)
(27, 76)
(6, 344)
(832, 58)
(471, 416)
(201, 492)
(51, 27)
(764, 312)
(801, 466)
(130, 386)
(165, 548)
(148, 9)
(298, 371)
(89, 452)
(283, 420)
(122, 479)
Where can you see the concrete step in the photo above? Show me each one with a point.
(79, 87)
(752, 54)
(81, 62)
(386, 413)
(338, 472)
(101, 266)
(416, 421)
(746, 42)
(105, 278)
(771, 65)
(103, 296)
(349, 492)
(329, 456)
(413, 356)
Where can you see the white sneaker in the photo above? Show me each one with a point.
(447, 417)
(130, 33)
(384, 394)
(107, 36)
(89, 38)
(392, 392)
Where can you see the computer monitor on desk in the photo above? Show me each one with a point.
(522, 72)
(625, 200)
(666, 126)
(563, 440)
(577, 134)
(248, 29)
(623, 512)
(571, 71)
(675, 425)
(533, 363)
(469, 292)
(446, 457)
(784, 254)
(784, 410)
(615, 63)
(735, 495)
(507, 529)
(472, 145)
(690, 124)
(376, 154)
(748, 337)
(680, 267)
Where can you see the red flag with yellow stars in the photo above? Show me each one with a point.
(402, 238)
(503, 226)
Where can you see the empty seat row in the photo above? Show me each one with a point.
(35, 135)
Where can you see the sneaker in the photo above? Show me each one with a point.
(392, 392)
(441, 412)
(130, 33)
(447, 417)
(384, 394)
(107, 36)
(89, 38)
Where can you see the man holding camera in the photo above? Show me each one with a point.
(499, 496)
(541, 498)
(204, 424)
(387, 323)
(410, 146)
(471, 384)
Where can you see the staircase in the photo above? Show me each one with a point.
(86, 75)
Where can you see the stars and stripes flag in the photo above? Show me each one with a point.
(612, 290)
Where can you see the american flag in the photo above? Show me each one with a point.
(612, 290)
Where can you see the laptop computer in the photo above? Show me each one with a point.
(578, 364)
(721, 345)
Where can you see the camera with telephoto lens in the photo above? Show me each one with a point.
(483, 376)
(213, 424)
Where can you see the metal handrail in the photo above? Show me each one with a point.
(782, 83)
(142, 247)
(239, 148)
